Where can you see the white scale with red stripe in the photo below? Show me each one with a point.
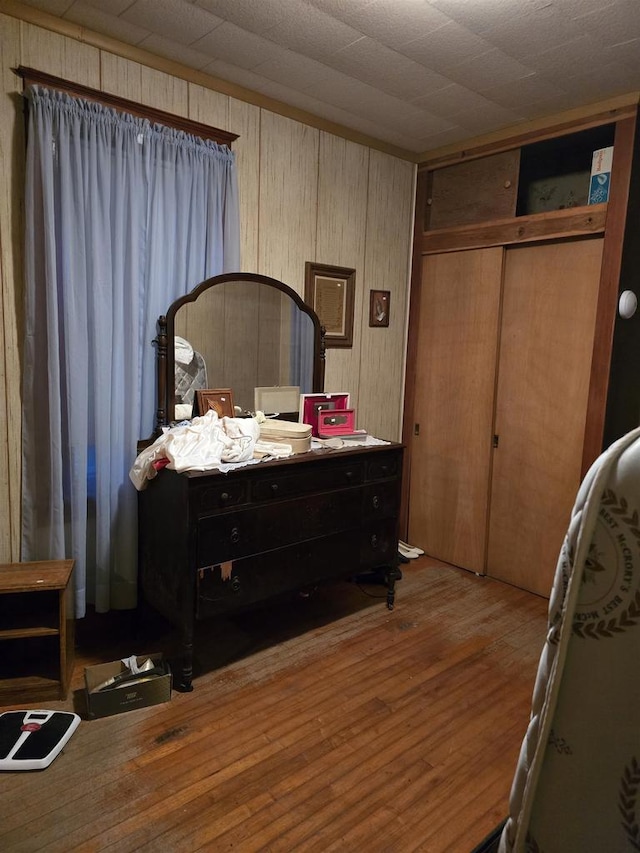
(30, 740)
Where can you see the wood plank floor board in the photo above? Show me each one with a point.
(265, 769)
(339, 772)
(349, 801)
(374, 688)
(197, 725)
(391, 739)
(322, 724)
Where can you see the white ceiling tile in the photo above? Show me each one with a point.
(367, 102)
(53, 7)
(628, 53)
(597, 83)
(450, 101)
(481, 15)
(373, 63)
(445, 137)
(489, 69)
(531, 33)
(313, 33)
(112, 7)
(237, 46)
(563, 59)
(612, 24)
(571, 8)
(236, 74)
(315, 106)
(88, 15)
(484, 120)
(446, 47)
(392, 22)
(256, 16)
(182, 22)
(516, 94)
(293, 69)
(177, 52)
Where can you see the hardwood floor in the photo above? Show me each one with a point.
(317, 724)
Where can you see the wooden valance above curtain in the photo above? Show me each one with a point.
(195, 128)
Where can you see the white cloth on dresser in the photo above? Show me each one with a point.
(577, 782)
(202, 444)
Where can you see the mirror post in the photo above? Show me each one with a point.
(161, 344)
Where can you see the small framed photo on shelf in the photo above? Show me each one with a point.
(218, 399)
(330, 291)
(379, 303)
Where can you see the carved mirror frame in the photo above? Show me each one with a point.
(165, 340)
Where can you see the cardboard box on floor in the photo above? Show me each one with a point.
(127, 698)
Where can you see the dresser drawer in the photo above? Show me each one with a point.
(379, 544)
(279, 486)
(217, 496)
(229, 536)
(380, 500)
(267, 575)
(384, 466)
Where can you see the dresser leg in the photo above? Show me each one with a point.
(186, 685)
(393, 575)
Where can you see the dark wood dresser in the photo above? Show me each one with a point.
(215, 543)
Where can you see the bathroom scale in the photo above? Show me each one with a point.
(30, 740)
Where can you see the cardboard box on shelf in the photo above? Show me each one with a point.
(149, 690)
(600, 175)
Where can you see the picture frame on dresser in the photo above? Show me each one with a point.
(218, 399)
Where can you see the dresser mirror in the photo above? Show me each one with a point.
(237, 331)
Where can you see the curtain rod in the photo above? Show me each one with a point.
(205, 131)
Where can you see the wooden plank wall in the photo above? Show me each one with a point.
(305, 195)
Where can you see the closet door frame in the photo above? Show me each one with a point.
(610, 223)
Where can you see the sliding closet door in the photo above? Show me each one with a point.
(549, 310)
(455, 388)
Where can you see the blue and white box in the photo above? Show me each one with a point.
(600, 175)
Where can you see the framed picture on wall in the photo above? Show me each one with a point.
(379, 304)
(330, 291)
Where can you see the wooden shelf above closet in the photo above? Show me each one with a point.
(572, 222)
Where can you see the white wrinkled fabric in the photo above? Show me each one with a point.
(203, 444)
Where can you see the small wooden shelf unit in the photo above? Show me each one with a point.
(36, 630)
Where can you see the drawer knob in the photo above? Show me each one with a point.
(274, 488)
(375, 501)
(235, 535)
(374, 541)
(348, 475)
(235, 584)
(224, 497)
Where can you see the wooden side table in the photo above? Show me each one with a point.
(36, 630)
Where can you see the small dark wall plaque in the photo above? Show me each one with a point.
(379, 304)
